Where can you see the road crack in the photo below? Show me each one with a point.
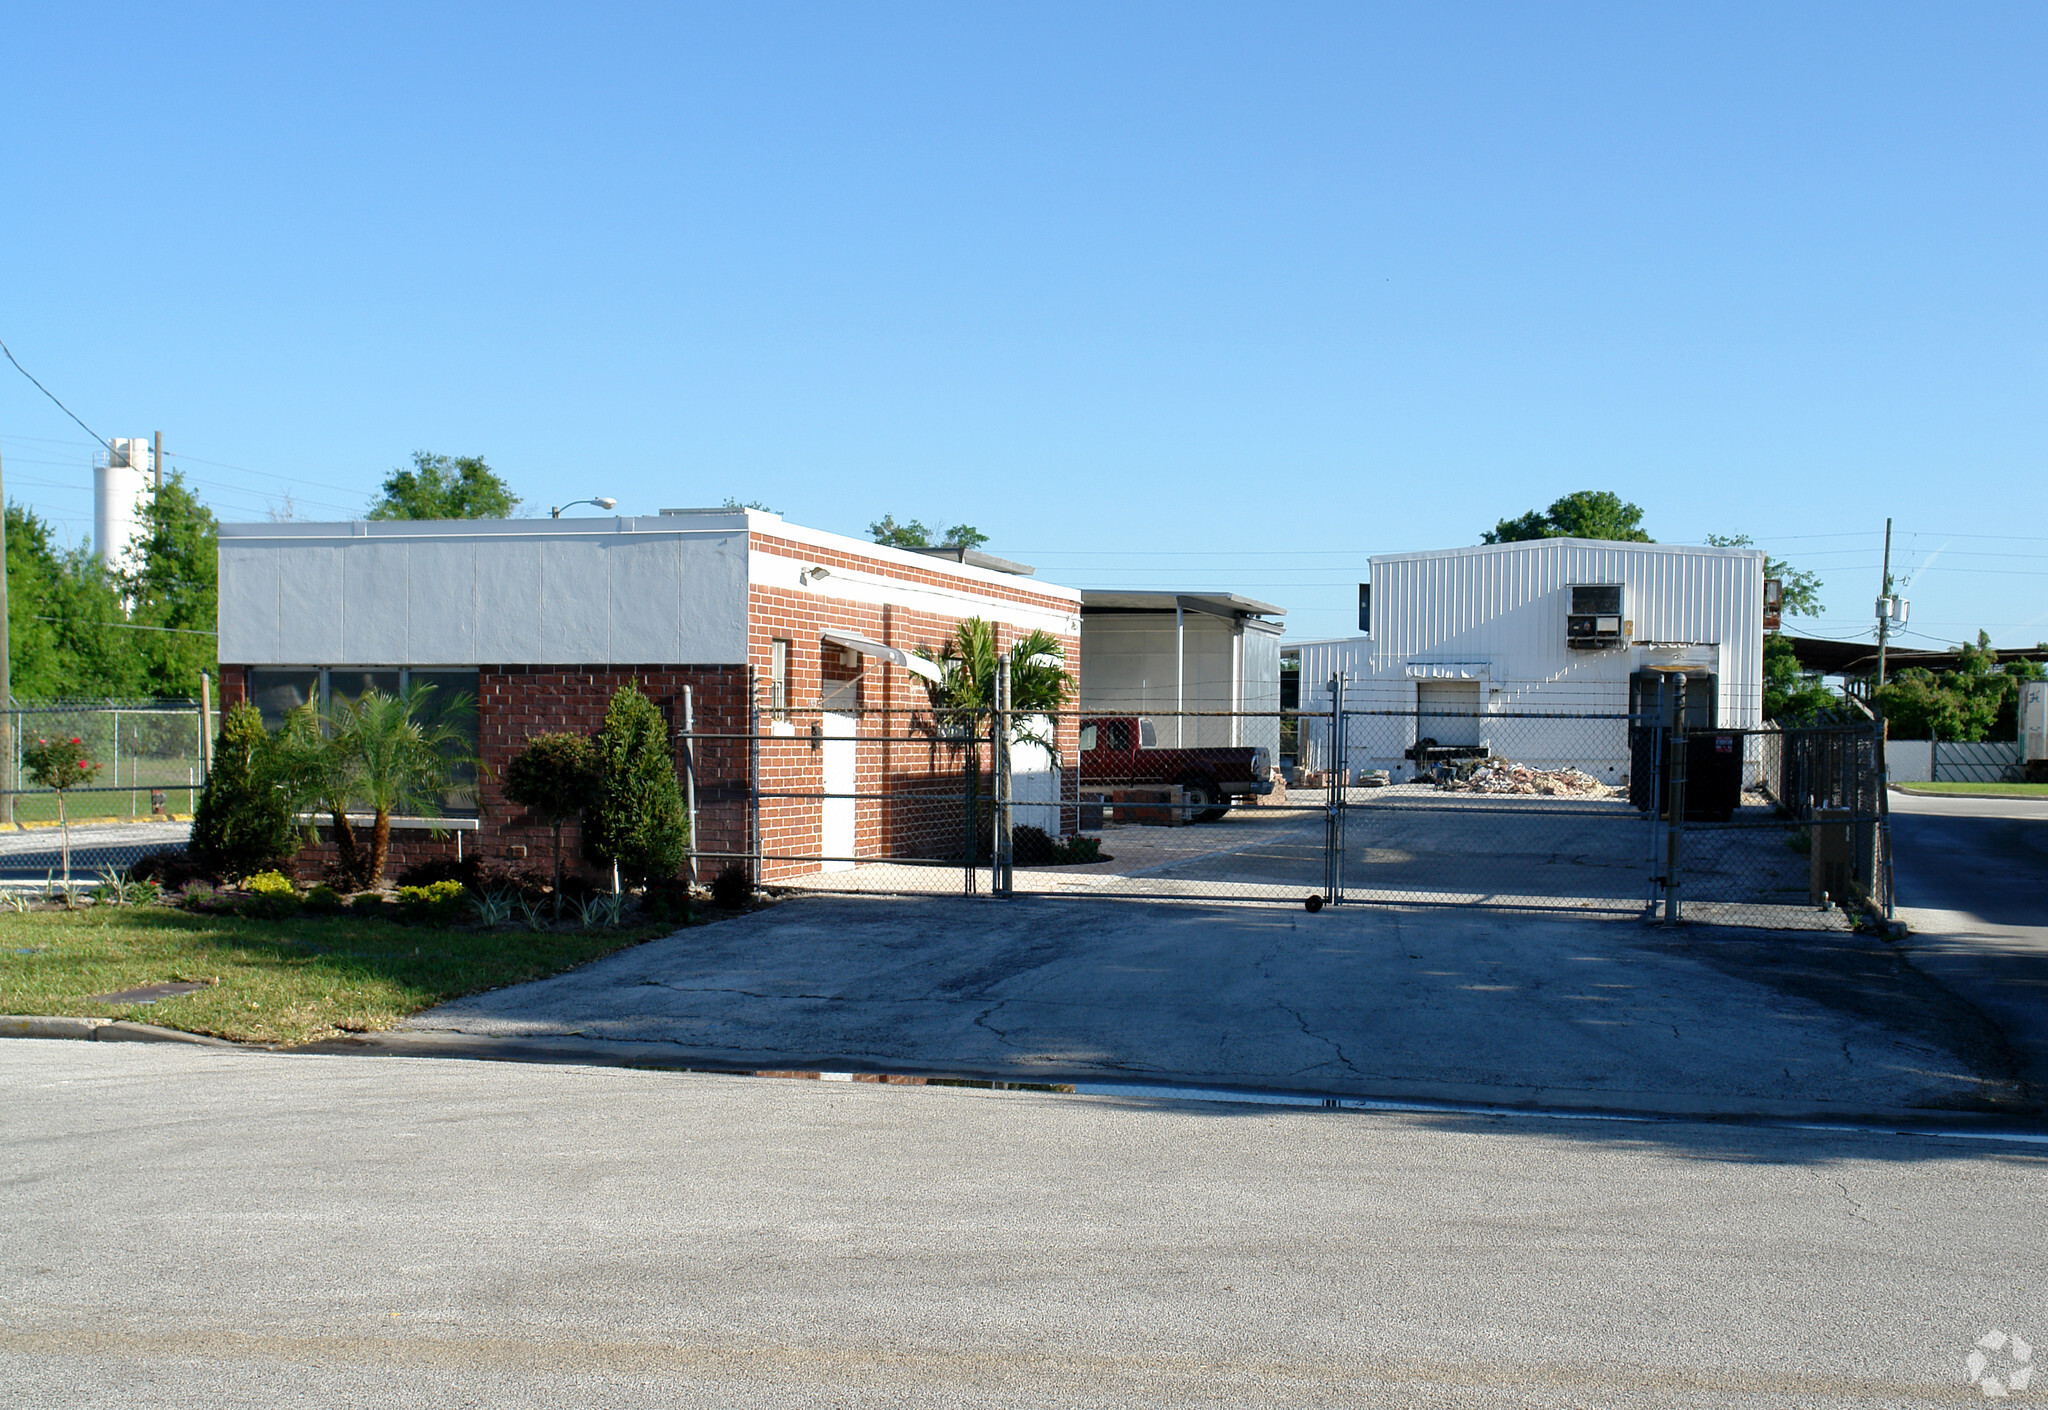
(1334, 1045)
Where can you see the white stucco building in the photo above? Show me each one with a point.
(1535, 650)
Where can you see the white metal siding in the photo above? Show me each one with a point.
(1498, 612)
(624, 591)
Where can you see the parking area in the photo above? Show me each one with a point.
(1415, 845)
(1459, 1004)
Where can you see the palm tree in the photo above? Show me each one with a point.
(384, 751)
(1039, 685)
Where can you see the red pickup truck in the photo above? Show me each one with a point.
(1120, 751)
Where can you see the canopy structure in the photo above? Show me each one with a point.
(894, 655)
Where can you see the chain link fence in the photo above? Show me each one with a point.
(1562, 812)
(151, 769)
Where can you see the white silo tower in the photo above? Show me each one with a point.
(121, 485)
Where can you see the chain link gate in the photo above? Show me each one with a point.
(1586, 813)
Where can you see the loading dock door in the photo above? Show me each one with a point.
(1449, 712)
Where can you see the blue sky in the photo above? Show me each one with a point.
(1156, 295)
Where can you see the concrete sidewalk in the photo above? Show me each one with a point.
(1359, 1001)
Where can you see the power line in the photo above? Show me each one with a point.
(53, 397)
(134, 626)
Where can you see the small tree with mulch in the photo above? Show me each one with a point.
(555, 775)
(62, 765)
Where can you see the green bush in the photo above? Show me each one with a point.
(638, 820)
(440, 903)
(243, 819)
(270, 883)
(370, 903)
(555, 775)
(323, 900)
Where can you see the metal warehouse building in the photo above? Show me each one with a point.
(1538, 651)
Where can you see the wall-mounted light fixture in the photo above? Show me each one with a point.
(809, 575)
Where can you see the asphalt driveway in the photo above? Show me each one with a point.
(1972, 881)
(1358, 1001)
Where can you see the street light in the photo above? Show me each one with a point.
(602, 502)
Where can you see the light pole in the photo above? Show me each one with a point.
(602, 502)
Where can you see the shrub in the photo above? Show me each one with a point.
(323, 900)
(370, 903)
(172, 868)
(732, 888)
(270, 883)
(556, 776)
(268, 905)
(439, 903)
(1072, 850)
(243, 819)
(666, 903)
(638, 820)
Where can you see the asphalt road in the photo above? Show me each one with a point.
(193, 1228)
(1972, 881)
(1458, 1004)
(36, 854)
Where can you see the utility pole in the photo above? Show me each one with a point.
(1884, 609)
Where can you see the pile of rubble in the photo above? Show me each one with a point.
(1505, 776)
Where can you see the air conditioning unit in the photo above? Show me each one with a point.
(1594, 622)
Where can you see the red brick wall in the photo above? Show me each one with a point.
(891, 758)
(515, 702)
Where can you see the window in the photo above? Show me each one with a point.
(778, 679)
(1365, 608)
(449, 698)
(1087, 738)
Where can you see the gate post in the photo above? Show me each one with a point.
(1333, 808)
(999, 729)
(1674, 830)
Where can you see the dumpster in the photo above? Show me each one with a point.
(1713, 772)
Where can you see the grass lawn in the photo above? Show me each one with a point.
(286, 981)
(1978, 790)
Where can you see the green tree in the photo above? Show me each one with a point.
(966, 691)
(915, 535)
(441, 487)
(1792, 695)
(244, 819)
(1976, 701)
(175, 591)
(67, 631)
(639, 820)
(396, 757)
(1583, 514)
(1802, 588)
(555, 775)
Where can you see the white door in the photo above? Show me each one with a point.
(839, 807)
(1459, 722)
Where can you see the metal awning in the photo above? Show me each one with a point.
(895, 656)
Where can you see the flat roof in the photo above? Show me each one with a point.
(1216, 604)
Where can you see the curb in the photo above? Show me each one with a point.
(101, 1030)
(1421, 1097)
